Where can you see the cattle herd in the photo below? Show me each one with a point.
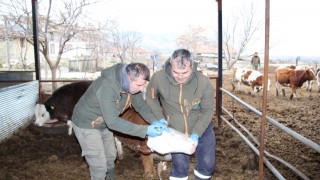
(285, 76)
(60, 105)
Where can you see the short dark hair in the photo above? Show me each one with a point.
(182, 55)
(138, 69)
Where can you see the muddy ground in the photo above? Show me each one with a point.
(32, 155)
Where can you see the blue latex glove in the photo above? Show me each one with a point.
(154, 130)
(162, 123)
(194, 137)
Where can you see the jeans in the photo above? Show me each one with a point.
(98, 148)
(205, 157)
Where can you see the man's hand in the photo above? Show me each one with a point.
(154, 130)
(162, 123)
(194, 137)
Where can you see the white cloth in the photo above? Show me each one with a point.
(172, 142)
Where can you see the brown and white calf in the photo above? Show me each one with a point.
(248, 77)
(294, 78)
(60, 107)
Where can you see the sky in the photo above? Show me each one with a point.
(294, 24)
(160, 15)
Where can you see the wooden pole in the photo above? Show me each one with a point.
(265, 85)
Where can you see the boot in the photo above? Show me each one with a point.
(111, 174)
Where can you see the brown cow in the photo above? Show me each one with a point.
(301, 67)
(294, 78)
(140, 145)
(137, 143)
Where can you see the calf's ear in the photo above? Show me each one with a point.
(36, 111)
(50, 107)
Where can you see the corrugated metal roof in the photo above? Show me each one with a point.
(17, 105)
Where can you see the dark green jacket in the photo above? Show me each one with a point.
(104, 98)
(188, 107)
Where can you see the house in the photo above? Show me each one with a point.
(206, 55)
(14, 49)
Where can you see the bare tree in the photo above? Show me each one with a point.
(58, 17)
(238, 33)
(192, 38)
(66, 25)
(135, 44)
(97, 45)
(12, 12)
(125, 43)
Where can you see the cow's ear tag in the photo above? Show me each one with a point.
(52, 107)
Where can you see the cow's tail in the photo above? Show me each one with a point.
(69, 124)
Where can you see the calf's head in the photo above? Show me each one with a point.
(42, 114)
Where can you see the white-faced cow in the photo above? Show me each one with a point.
(60, 107)
(294, 78)
(57, 106)
(248, 77)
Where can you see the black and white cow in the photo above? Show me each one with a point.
(59, 106)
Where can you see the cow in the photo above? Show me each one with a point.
(138, 144)
(54, 109)
(248, 77)
(308, 82)
(60, 107)
(301, 67)
(294, 78)
(318, 78)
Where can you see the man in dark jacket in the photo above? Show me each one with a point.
(255, 61)
(187, 99)
(97, 113)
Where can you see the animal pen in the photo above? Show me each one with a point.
(25, 95)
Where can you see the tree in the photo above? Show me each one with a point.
(96, 45)
(238, 33)
(61, 17)
(192, 38)
(124, 44)
(13, 32)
